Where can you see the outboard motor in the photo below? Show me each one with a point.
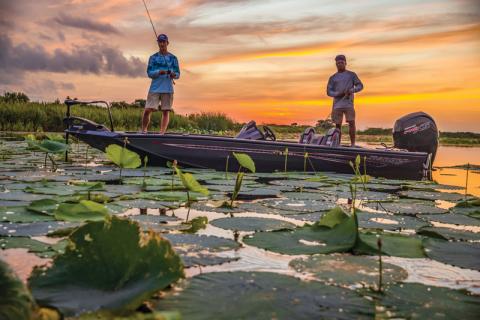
(251, 132)
(416, 132)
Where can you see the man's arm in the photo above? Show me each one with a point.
(357, 84)
(331, 90)
(176, 68)
(151, 72)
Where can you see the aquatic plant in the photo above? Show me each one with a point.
(50, 147)
(122, 157)
(100, 272)
(246, 162)
(190, 184)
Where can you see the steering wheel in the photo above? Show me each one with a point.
(269, 135)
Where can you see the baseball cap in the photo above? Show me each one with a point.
(340, 57)
(162, 37)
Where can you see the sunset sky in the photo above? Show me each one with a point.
(267, 60)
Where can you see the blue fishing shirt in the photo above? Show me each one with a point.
(158, 62)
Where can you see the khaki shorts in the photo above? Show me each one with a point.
(337, 115)
(159, 101)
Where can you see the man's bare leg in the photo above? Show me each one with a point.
(147, 113)
(165, 121)
(339, 127)
(351, 131)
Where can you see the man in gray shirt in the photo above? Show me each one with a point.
(341, 87)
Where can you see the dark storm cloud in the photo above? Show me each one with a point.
(96, 59)
(84, 24)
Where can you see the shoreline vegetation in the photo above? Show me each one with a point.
(25, 116)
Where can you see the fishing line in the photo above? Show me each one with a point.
(150, 18)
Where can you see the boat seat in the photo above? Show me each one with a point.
(250, 131)
(331, 138)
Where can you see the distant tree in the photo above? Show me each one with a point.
(15, 97)
(294, 124)
(57, 101)
(140, 103)
(119, 104)
(325, 124)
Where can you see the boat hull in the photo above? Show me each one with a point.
(215, 152)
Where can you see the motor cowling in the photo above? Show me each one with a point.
(416, 132)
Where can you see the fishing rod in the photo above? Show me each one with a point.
(150, 18)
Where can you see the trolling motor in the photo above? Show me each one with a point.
(79, 123)
(416, 132)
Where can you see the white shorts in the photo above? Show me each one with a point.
(159, 101)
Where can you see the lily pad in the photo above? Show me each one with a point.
(431, 195)
(346, 270)
(251, 224)
(449, 234)
(389, 222)
(452, 218)
(460, 254)
(263, 295)
(123, 157)
(16, 301)
(308, 239)
(21, 214)
(45, 206)
(24, 242)
(417, 301)
(299, 184)
(393, 244)
(406, 207)
(85, 210)
(299, 205)
(32, 229)
(200, 249)
(99, 272)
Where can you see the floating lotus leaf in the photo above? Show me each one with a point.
(123, 157)
(347, 270)
(299, 184)
(85, 210)
(460, 254)
(417, 301)
(16, 303)
(307, 195)
(45, 206)
(312, 217)
(393, 244)
(21, 214)
(231, 182)
(431, 195)
(452, 218)
(18, 195)
(142, 204)
(258, 193)
(263, 295)
(381, 187)
(473, 212)
(389, 222)
(99, 272)
(40, 248)
(170, 196)
(38, 228)
(309, 239)
(200, 249)
(164, 181)
(449, 234)
(406, 207)
(299, 205)
(252, 224)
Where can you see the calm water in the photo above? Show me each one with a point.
(453, 156)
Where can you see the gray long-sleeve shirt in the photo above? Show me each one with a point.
(338, 83)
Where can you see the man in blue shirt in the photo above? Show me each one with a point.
(162, 68)
(341, 87)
